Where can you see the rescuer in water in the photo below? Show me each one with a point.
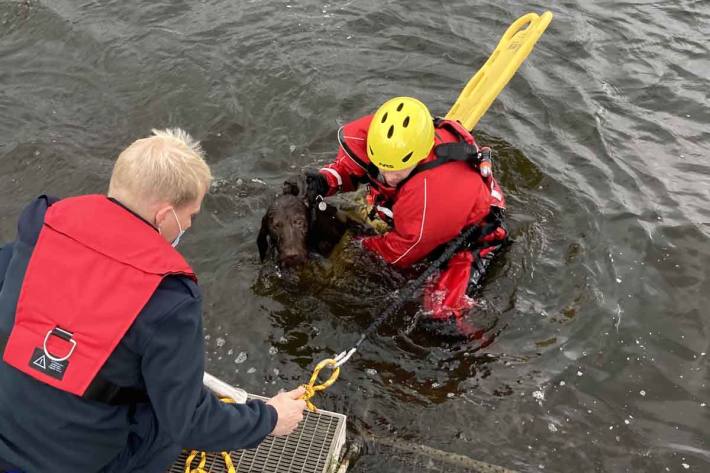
(428, 179)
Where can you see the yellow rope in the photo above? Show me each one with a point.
(228, 462)
(203, 455)
(312, 388)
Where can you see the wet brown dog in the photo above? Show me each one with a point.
(291, 229)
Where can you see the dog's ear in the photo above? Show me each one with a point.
(263, 241)
(294, 185)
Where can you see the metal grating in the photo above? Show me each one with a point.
(313, 448)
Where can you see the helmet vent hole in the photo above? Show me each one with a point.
(372, 153)
(405, 123)
(406, 158)
(384, 118)
(400, 107)
(390, 132)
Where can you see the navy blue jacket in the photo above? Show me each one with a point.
(43, 429)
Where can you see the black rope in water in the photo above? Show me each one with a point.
(470, 234)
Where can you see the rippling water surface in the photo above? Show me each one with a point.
(601, 363)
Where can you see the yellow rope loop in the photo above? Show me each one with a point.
(310, 392)
(226, 455)
(200, 467)
(203, 456)
(228, 462)
(312, 388)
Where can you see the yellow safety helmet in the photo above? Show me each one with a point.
(400, 135)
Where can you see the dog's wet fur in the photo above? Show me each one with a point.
(290, 229)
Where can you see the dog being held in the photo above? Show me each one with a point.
(292, 228)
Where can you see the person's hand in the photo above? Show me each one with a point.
(290, 408)
(361, 230)
(357, 240)
(310, 185)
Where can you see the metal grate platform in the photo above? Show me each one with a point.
(313, 448)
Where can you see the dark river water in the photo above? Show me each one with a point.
(601, 304)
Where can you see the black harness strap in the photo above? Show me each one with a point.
(3, 342)
(449, 153)
(100, 389)
(460, 151)
(490, 224)
(445, 153)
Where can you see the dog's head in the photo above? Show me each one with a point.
(293, 229)
(284, 228)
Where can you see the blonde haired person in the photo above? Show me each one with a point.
(101, 327)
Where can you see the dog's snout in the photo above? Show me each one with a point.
(292, 258)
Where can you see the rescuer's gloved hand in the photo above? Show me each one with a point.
(310, 185)
(361, 230)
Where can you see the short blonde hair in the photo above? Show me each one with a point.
(168, 166)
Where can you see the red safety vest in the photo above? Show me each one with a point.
(94, 268)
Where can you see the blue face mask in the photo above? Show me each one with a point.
(182, 232)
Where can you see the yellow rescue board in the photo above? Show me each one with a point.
(483, 88)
